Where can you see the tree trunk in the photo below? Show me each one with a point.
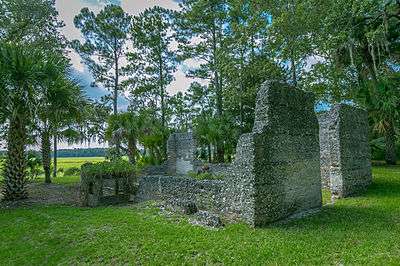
(55, 156)
(132, 150)
(46, 150)
(209, 153)
(163, 105)
(293, 68)
(15, 164)
(218, 92)
(115, 96)
(390, 148)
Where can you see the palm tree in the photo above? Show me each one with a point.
(22, 71)
(60, 107)
(125, 127)
(385, 111)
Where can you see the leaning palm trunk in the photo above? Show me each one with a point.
(46, 150)
(15, 166)
(390, 149)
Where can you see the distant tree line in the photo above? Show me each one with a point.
(81, 152)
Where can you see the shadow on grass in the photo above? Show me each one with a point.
(384, 188)
(368, 210)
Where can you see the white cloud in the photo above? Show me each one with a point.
(68, 9)
(181, 82)
(134, 7)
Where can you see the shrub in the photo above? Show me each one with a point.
(72, 171)
(34, 163)
(119, 169)
(115, 169)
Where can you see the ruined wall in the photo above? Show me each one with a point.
(205, 194)
(345, 151)
(276, 172)
(181, 150)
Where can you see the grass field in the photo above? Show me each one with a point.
(67, 163)
(359, 230)
(77, 161)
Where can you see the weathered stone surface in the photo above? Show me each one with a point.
(276, 172)
(103, 191)
(189, 207)
(208, 219)
(205, 194)
(345, 151)
(181, 151)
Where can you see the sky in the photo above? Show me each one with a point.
(68, 9)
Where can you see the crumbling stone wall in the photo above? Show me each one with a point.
(178, 191)
(103, 191)
(181, 151)
(276, 172)
(345, 151)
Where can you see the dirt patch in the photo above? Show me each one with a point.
(46, 194)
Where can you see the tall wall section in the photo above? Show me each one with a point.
(345, 150)
(276, 172)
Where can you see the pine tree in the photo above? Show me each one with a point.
(201, 35)
(152, 62)
(105, 37)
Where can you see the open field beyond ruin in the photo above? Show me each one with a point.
(358, 230)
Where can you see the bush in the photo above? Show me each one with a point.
(72, 171)
(34, 163)
(115, 169)
(378, 149)
(120, 169)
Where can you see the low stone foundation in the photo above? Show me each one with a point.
(179, 191)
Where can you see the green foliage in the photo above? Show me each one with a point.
(34, 162)
(105, 36)
(205, 176)
(112, 169)
(31, 22)
(378, 149)
(73, 171)
(126, 128)
(152, 61)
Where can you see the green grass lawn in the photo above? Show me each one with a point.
(359, 230)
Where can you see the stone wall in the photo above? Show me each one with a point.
(345, 150)
(276, 172)
(205, 194)
(181, 151)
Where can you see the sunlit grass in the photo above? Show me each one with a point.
(354, 231)
(66, 163)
